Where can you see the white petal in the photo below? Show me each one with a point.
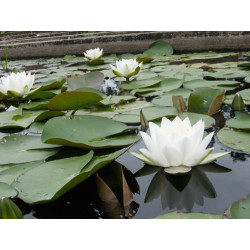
(178, 170)
(142, 158)
(173, 156)
(212, 157)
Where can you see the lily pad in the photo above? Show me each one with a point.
(7, 191)
(241, 209)
(227, 85)
(240, 121)
(35, 105)
(245, 94)
(205, 101)
(177, 215)
(136, 84)
(87, 132)
(166, 99)
(227, 73)
(51, 84)
(236, 139)
(159, 48)
(74, 100)
(151, 113)
(164, 86)
(24, 148)
(36, 127)
(52, 179)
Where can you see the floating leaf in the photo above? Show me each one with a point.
(199, 83)
(7, 191)
(159, 48)
(51, 180)
(235, 139)
(164, 86)
(24, 148)
(205, 101)
(240, 121)
(87, 132)
(245, 94)
(36, 127)
(241, 209)
(166, 99)
(135, 84)
(51, 84)
(35, 105)
(151, 113)
(74, 100)
(178, 215)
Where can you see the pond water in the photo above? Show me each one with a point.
(206, 189)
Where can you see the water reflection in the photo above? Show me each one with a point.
(180, 192)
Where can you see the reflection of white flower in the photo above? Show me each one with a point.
(177, 146)
(93, 54)
(17, 84)
(126, 68)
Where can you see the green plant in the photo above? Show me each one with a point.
(5, 65)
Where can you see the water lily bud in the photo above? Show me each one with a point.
(9, 210)
(16, 84)
(177, 146)
(238, 103)
(126, 68)
(93, 54)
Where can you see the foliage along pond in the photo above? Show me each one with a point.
(66, 144)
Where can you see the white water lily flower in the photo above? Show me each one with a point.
(16, 84)
(126, 68)
(177, 146)
(93, 54)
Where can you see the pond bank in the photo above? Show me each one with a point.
(49, 44)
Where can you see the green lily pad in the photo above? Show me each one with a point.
(24, 148)
(12, 172)
(74, 100)
(145, 75)
(159, 48)
(177, 215)
(49, 180)
(164, 86)
(247, 79)
(245, 94)
(136, 84)
(241, 209)
(236, 139)
(151, 113)
(240, 121)
(7, 191)
(205, 101)
(87, 132)
(89, 80)
(52, 179)
(166, 99)
(35, 105)
(227, 85)
(227, 73)
(36, 127)
(22, 119)
(51, 84)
